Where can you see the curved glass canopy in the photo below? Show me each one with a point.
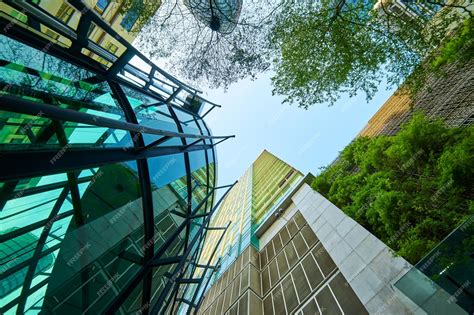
(219, 15)
(108, 172)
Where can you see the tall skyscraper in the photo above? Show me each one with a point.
(308, 257)
(260, 188)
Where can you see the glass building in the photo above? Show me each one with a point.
(450, 266)
(219, 15)
(108, 171)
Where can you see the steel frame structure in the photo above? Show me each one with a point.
(26, 162)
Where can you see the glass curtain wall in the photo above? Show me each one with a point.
(106, 177)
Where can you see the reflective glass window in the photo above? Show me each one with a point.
(152, 113)
(188, 122)
(81, 244)
(36, 74)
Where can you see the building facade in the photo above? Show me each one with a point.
(407, 9)
(313, 259)
(449, 97)
(125, 19)
(255, 195)
(107, 177)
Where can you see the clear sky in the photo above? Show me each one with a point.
(306, 139)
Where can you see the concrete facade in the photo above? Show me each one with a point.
(313, 260)
(292, 274)
(368, 264)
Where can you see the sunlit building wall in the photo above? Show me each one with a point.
(121, 17)
(314, 259)
(255, 195)
(407, 9)
(449, 97)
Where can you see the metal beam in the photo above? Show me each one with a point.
(23, 106)
(33, 163)
(213, 269)
(156, 143)
(75, 157)
(127, 290)
(186, 302)
(120, 63)
(173, 95)
(32, 39)
(188, 181)
(205, 266)
(28, 228)
(45, 18)
(196, 216)
(132, 257)
(225, 138)
(193, 143)
(145, 187)
(179, 214)
(165, 261)
(161, 299)
(188, 280)
(25, 263)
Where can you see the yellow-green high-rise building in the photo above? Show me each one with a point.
(258, 190)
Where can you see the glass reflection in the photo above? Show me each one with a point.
(72, 241)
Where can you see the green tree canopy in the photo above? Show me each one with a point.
(319, 50)
(411, 189)
(346, 47)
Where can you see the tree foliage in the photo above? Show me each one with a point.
(411, 189)
(457, 48)
(346, 47)
(191, 50)
(144, 9)
(319, 50)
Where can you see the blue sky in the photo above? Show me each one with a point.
(306, 139)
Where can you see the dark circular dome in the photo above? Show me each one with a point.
(219, 15)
